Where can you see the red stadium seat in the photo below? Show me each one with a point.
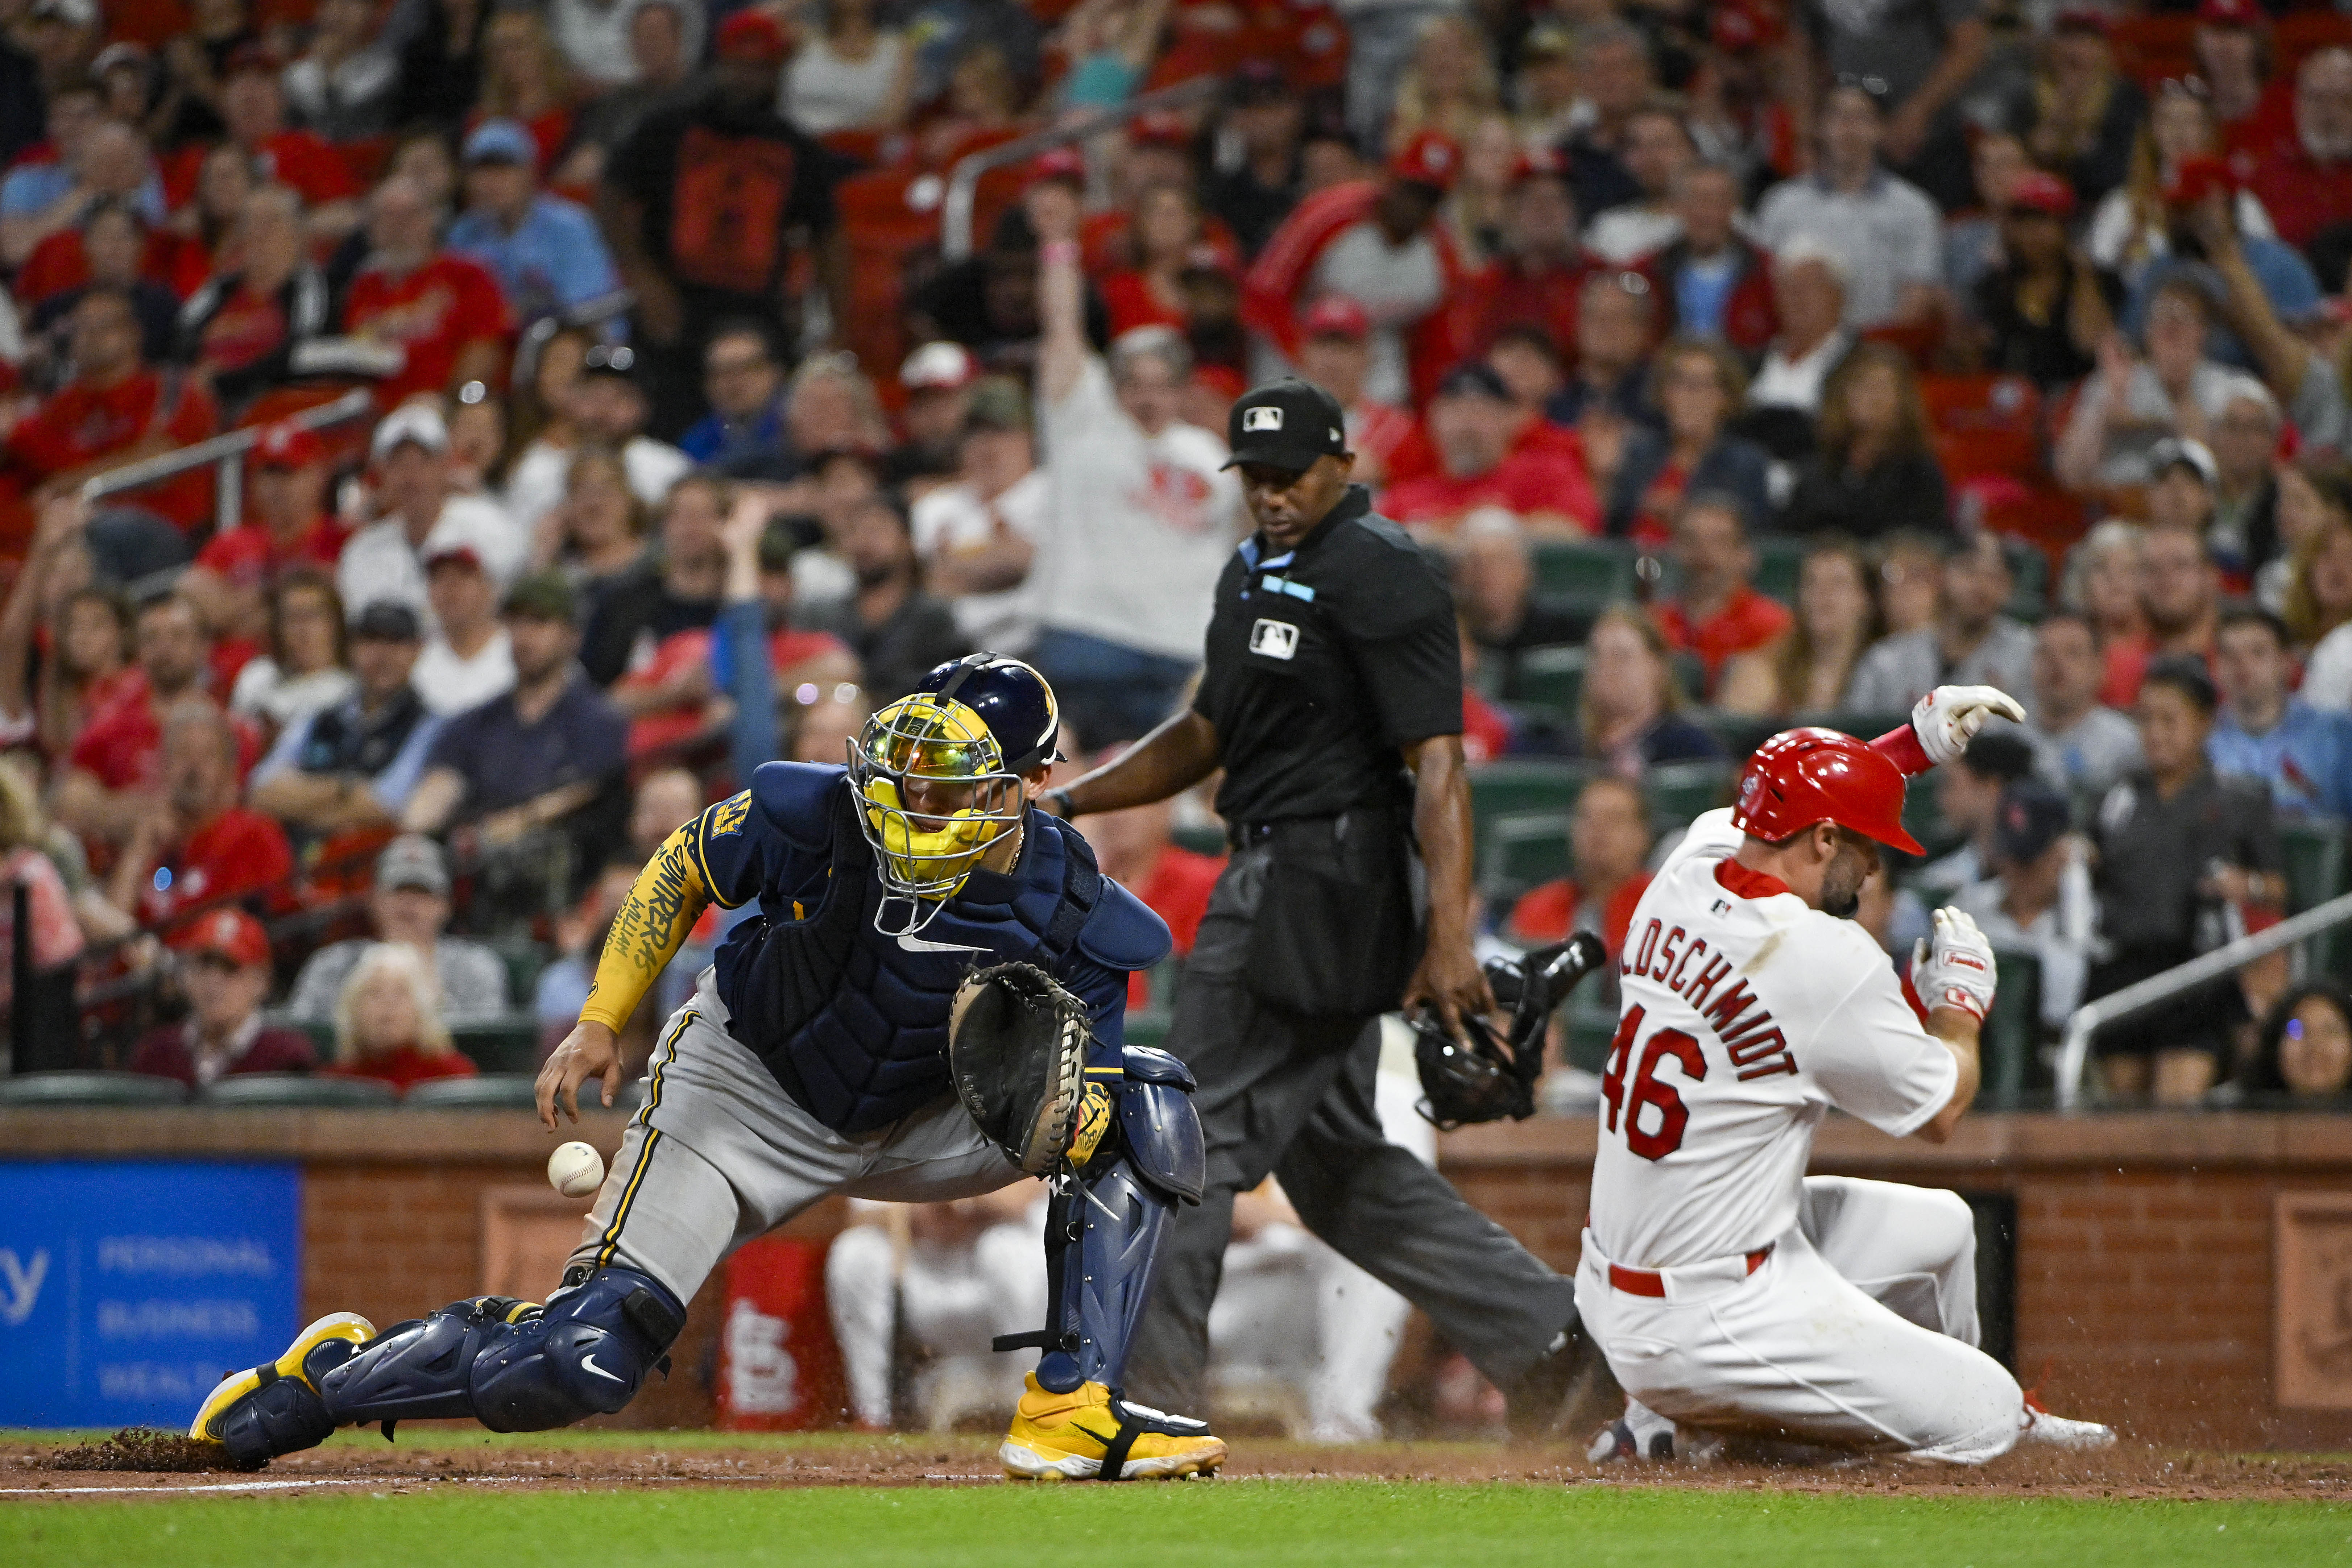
(1984, 424)
(1958, 403)
(1968, 454)
(886, 217)
(2040, 514)
(2150, 48)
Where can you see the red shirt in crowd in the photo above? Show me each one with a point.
(1509, 295)
(2127, 659)
(58, 263)
(2126, 662)
(296, 158)
(1547, 914)
(406, 1067)
(1276, 289)
(237, 851)
(434, 313)
(2302, 195)
(121, 746)
(1539, 476)
(1485, 733)
(674, 655)
(171, 1053)
(83, 424)
(789, 647)
(101, 694)
(1178, 892)
(1748, 620)
(251, 557)
(1127, 295)
(247, 330)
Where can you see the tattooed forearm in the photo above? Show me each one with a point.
(669, 896)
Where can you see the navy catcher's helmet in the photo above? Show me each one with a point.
(1011, 698)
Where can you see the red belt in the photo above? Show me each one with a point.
(1645, 1282)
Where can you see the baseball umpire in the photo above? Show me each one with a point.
(1332, 698)
(846, 1040)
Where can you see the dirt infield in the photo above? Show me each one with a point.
(438, 1459)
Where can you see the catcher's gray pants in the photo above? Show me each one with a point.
(1294, 1094)
(721, 1154)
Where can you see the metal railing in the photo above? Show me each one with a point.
(2075, 1047)
(963, 180)
(227, 453)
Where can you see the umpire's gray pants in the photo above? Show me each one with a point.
(1293, 1094)
(721, 1154)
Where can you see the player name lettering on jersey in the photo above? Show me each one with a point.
(1750, 1037)
(1744, 1016)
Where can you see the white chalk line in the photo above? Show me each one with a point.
(211, 1486)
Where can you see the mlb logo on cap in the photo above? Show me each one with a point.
(1261, 429)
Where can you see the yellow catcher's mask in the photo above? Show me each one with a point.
(933, 793)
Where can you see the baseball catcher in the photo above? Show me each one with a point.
(928, 1004)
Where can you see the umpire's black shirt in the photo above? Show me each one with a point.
(1323, 662)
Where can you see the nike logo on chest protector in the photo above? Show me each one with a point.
(913, 944)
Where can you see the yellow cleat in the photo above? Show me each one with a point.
(1091, 1434)
(237, 1385)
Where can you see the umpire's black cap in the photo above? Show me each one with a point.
(1288, 424)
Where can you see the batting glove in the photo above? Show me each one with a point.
(1956, 969)
(1949, 717)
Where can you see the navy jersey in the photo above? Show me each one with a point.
(853, 1021)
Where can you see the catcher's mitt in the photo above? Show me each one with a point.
(1494, 1075)
(1017, 1051)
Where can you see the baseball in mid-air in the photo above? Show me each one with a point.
(575, 1169)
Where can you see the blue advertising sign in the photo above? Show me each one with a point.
(127, 1288)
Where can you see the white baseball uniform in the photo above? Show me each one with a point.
(1730, 1291)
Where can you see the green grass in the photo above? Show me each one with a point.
(1200, 1525)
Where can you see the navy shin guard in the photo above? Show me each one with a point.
(1113, 1222)
(510, 1366)
(1104, 1226)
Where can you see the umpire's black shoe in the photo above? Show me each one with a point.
(1549, 1398)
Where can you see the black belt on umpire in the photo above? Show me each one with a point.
(1247, 835)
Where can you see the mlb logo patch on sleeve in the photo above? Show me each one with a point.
(1274, 639)
(1263, 417)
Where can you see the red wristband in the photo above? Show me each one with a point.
(1901, 746)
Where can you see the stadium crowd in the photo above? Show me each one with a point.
(1740, 363)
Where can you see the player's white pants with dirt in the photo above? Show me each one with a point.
(953, 1299)
(720, 1154)
(1859, 1331)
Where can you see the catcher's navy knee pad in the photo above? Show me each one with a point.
(1156, 1118)
(511, 1366)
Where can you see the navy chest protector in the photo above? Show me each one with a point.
(853, 1023)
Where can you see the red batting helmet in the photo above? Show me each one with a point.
(1802, 777)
